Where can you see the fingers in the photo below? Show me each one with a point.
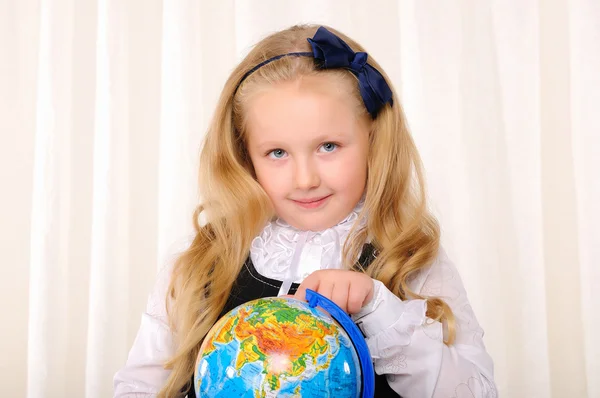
(339, 294)
(327, 289)
(312, 282)
(349, 290)
(356, 300)
(334, 291)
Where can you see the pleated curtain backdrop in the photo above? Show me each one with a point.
(103, 106)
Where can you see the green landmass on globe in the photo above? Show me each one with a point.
(277, 347)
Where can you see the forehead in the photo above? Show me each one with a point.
(302, 110)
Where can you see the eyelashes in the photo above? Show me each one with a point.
(278, 153)
(329, 146)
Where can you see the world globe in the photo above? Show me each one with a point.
(278, 347)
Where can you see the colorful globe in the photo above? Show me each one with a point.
(277, 347)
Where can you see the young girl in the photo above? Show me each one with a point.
(311, 181)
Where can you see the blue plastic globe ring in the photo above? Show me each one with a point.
(364, 356)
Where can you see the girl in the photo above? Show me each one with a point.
(312, 181)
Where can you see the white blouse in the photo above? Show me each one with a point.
(405, 345)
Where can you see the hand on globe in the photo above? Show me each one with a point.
(350, 290)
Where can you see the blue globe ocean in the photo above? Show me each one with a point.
(277, 347)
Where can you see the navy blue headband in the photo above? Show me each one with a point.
(331, 52)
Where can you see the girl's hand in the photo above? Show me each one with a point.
(350, 290)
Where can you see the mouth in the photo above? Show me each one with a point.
(311, 203)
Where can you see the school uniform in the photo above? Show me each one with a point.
(409, 355)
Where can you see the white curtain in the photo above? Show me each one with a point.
(103, 105)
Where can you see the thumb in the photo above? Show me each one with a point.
(308, 283)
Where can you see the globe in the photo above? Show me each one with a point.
(277, 347)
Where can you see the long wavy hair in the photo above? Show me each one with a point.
(235, 208)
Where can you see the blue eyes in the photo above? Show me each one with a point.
(329, 147)
(279, 153)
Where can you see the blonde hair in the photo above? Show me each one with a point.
(399, 225)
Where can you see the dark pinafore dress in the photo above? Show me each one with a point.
(250, 285)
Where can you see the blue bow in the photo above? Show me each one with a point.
(333, 52)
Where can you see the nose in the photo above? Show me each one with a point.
(307, 174)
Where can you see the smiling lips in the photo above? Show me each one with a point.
(311, 203)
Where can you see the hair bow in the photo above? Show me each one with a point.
(333, 52)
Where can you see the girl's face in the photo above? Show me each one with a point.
(309, 150)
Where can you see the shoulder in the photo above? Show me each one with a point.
(433, 279)
(171, 253)
(156, 301)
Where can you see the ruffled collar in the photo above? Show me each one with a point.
(286, 253)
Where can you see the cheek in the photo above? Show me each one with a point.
(349, 172)
(269, 179)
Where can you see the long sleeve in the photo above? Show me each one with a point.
(143, 375)
(408, 347)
